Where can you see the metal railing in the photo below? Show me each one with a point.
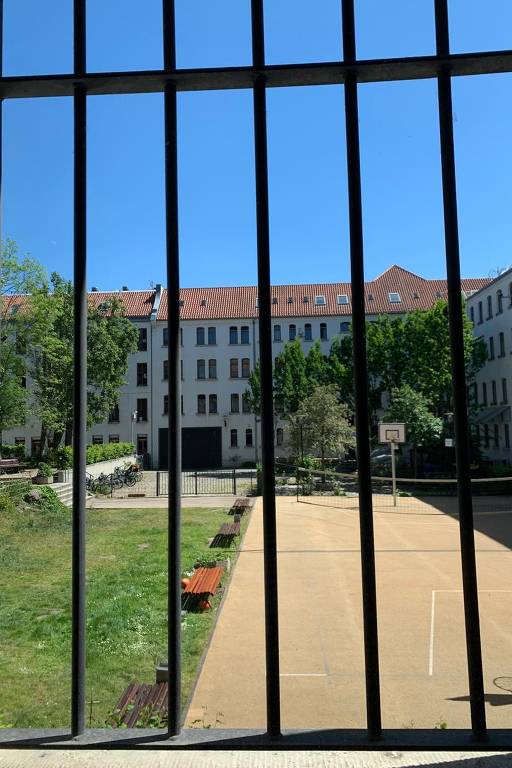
(348, 71)
(209, 482)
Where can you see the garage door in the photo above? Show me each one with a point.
(201, 448)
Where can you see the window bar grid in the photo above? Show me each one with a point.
(362, 418)
(79, 375)
(174, 381)
(273, 697)
(461, 422)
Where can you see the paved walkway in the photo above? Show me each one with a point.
(421, 621)
(159, 502)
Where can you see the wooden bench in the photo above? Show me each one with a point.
(204, 581)
(140, 701)
(240, 506)
(225, 534)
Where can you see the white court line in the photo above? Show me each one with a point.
(432, 620)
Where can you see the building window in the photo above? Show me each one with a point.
(142, 409)
(142, 444)
(35, 445)
(233, 368)
(506, 434)
(320, 301)
(323, 331)
(504, 393)
(233, 335)
(499, 302)
(142, 344)
(510, 294)
(491, 348)
(502, 344)
(181, 369)
(212, 335)
(181, 336)
(201, 404)
(142, 374)
(97, 439)
(166, 405)
(246, 368)
(277, 333)
(248, 438)
(394, 297)
(113, 417)
(496, 435)
(292, 332)
(472, 314)
(308, 333)
(113, 438)
(212, 404)
(342, 299)
(484, 393)
(200, 336)
(486, 435)
(244, 334)
(201, 369)
(235, 403)
(166, 370)
(19, 441)
(165, 336)
(494, 396)
(344, 327)
(480, 313)
(212, 369)
(234, 438)
(475, 394)
(279, 436)
(489, 307)
(181, 403)
(246, 406)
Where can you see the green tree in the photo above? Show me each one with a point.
(413, 409)
(18, 275)
(290, 378)
(110, 339)
(321, 425)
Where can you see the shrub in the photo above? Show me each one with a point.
(44, 470)
(63, 457)
(96, 453)
(248, 465)
(12, 495)
(13, 452)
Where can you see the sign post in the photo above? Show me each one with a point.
(392, 434)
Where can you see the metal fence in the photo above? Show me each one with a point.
(209, 482)
(257, 77)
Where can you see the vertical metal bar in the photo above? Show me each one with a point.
(174, 382)
(362, 417)
(267, 415)
(460, 408)
(79, 377)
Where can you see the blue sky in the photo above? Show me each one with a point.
(309, 226)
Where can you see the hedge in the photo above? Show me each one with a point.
(13, 452)
(63, 457)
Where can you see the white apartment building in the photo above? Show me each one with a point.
(220, 347)
(490, 310)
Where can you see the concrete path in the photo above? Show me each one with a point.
(421, 621)
(160, 502)
(11, 758)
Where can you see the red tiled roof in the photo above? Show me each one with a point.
(289, 300)
(135, 303)
(299, 300)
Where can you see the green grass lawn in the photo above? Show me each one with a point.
(126, 609)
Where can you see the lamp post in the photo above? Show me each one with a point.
(134, 418)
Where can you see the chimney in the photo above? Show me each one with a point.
(124, 288)
(94, 289)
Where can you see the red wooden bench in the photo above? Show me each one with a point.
(11, 465)
(240, 506)
(204, 581)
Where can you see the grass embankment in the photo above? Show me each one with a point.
(126, 608)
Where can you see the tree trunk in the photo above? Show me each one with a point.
(68, 437)
(43, 441)
(57, 438)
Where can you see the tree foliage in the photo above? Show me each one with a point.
(110, 339)
(414, 410)
(321, 425)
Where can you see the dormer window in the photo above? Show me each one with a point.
(394, 297)
(320, 301)
(439, 295)
(415, 295)
(370, 297)
(305, 299)
(342, 299)
(274, 300)
(290, 299)
(203, 302)
(103, 307)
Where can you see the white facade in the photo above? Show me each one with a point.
(490, 310)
